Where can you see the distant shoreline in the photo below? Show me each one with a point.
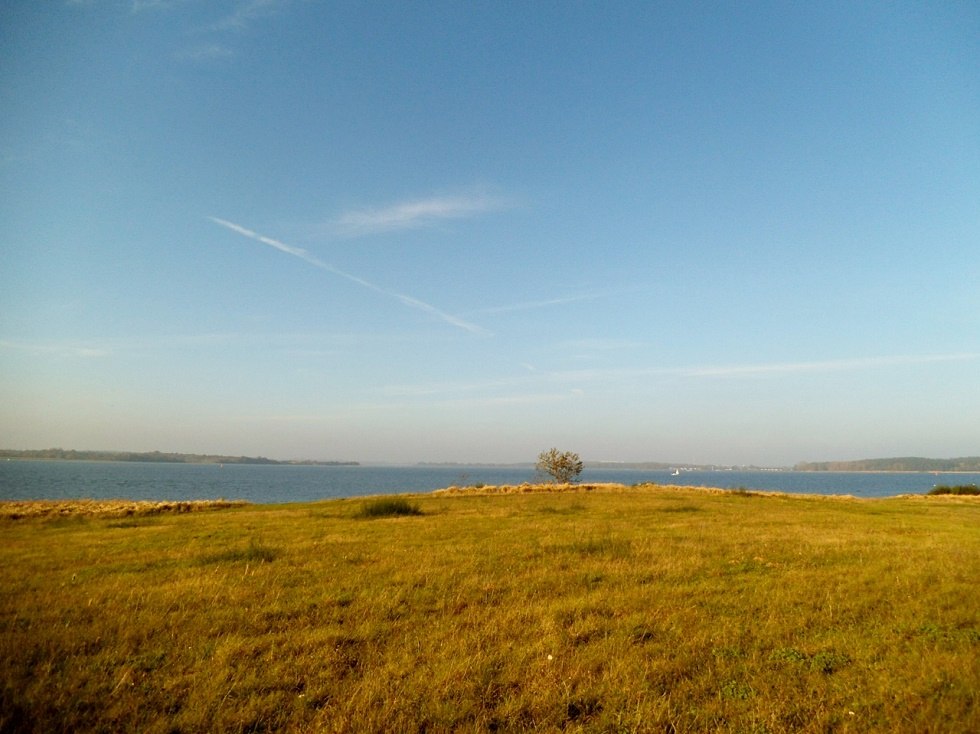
(901, 464)
(898, 465)
(884, 471)
(157, 457)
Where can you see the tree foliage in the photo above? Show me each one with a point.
(563, 466)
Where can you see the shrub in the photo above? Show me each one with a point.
(388, 507)
(563, 466)
(957, 489)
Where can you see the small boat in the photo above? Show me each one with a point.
(675, 473)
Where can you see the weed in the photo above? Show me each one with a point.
(968, 489)
(582, 708)
(641, 634)
(829, 661)
(824, 661)
(388, 507)
(734, 690)
(562, 510)
(788, 655)
(603, 545)
(253, 553)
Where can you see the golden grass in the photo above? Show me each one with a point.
(19, 509)
(603, 609)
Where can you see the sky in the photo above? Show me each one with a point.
(696, 232)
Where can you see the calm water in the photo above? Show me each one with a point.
(104, 480)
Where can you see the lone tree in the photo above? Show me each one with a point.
(563, 466)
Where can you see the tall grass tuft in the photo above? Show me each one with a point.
(388, 507)
(254, 553)
(971, 489)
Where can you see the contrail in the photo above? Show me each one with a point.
(412, 214)
(312, 260)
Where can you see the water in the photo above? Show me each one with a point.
(275, 484)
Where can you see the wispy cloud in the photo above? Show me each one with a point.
(245, 13)
(242, 15)
(599, 345)
(421, 390)
(316, 262)
(538, 381)
(508, 400)
(138, 6)
(55, 349)
(830, 365)
(763, 370)
(531, 305)
(413, 214)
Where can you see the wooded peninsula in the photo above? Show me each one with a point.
(907, 463)
(158, 457)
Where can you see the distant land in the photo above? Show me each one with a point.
(157, 457)
(666, 466)
(643, 465)
(898, 464)
(905, 463)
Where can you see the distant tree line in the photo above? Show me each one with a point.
(907, 463)
(156, 457)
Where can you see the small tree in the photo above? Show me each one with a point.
(563, 466)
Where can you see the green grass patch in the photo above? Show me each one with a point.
(254, 552)
(601, 545)
(646, 610)
(388, 507)
(967, 489)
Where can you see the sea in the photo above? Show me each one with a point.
(32, 479)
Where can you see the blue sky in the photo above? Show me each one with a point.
(443, 231)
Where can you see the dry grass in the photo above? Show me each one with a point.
(649, 610)
(21, 509)
(572, 488)
(613, 488)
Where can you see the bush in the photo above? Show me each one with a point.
(386, 507)
(563, 466)
(957, 489)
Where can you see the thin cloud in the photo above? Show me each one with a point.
(316, 262)
(531, 305)
(245, 14)
(138, 6)
(413, 214)
(761, 371)
(448, 388)
(57, 350)
(558, 301)
(535, 379)
(507, 400)
(600, 345)
(832, 365)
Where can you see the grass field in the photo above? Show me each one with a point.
(632, 610)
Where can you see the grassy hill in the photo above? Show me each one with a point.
(639, 610)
